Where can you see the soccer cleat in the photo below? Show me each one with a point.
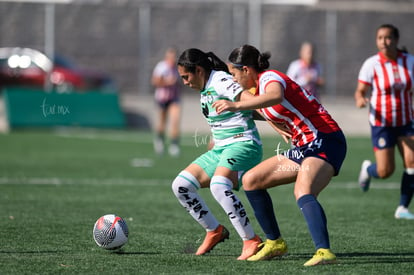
(212, 239)
(322, 256)
(250, 247)
(269, 249)
(403, 213)
(158, 146)
(174, 150)
(364, 178)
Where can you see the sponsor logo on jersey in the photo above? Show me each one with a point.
(234, 85)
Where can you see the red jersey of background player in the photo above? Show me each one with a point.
(391, 82)
(301, 112)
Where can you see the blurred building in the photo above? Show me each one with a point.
(127, 37)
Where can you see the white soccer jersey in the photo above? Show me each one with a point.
(167, 93)
(392, 89)
(227, 127)
(306, 76)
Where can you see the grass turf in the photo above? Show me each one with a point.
(54, 185)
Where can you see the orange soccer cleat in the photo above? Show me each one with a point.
(250, 247)
(212, 239)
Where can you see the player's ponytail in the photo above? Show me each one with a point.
(263, 61)
(191, 58)
(248, 55)
(217, 63)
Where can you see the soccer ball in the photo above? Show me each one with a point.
(110, 232)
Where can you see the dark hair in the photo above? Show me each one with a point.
(191, 58)
(395, 33)
(248, 55)
(394, 30)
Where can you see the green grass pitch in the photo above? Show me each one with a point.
(55, 184)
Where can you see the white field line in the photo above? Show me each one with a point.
(106, 137)
(61, 181)
(149, 182)
(129, 138)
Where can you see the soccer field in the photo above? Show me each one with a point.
(55, 184)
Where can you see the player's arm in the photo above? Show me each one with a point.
(257, 115)
(156, 81)
(278, 127)
(272, 96)
(244, 95)
(361, 99)
(162, 81)
(320, 81)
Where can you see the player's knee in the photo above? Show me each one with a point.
(300, 192)
(216, 189)
(176, 184)
(385, 172)
(219, 185)
(250, 181)
(184, 183)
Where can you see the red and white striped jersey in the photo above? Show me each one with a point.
(301, 111)
(392, 89)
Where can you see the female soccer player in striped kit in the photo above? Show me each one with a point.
(390, 76)
(319, 148)
(237, 148)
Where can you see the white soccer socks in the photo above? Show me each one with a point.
(221, 188)
(185, 188)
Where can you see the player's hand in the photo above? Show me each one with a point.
(283, 130)
(361, 102)
(224, 105)
(170, 80)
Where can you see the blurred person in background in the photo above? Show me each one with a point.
(306, 71)
(166, 80)
(389, 75)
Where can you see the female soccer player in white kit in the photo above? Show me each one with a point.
(237, 148)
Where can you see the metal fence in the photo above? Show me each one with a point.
(126, 37)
